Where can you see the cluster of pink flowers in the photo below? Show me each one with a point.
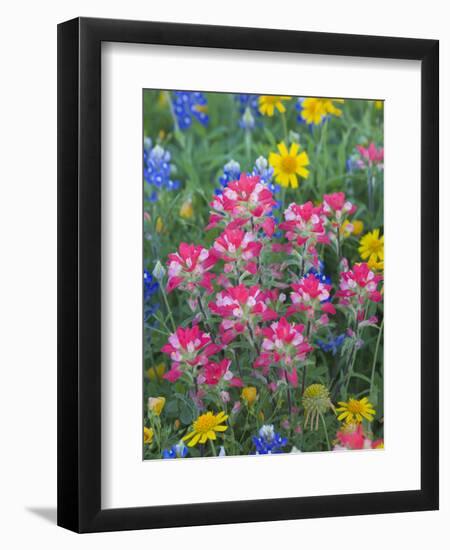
(311, 295)
(371, 155)
(244, 200)
(305, 224)
(336, 206)
(190, 267)
(354, 438)
(284, 345)
(358, 285)
(253, 296)
(238, 306)
(238, 249)
(188, 348)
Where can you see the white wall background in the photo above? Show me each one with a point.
(28, 269)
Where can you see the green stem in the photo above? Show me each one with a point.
(350, 368)
(166, 302)
(285, 130)
(283, 197)
(374, 362)
(252, 338)
(172, 112)
(304, 379)
(213, 448)
(248, 145)
(205, 317)
(288, 394)
(326, 431)
(338, 242)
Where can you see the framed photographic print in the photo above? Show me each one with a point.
(248, 275)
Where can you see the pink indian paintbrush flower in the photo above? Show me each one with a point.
(310, 295)
(243, 201)
(336, 206)
(239, 306)
(352, 437)
(189, 268)
(358, 285)
(305, 224)
(283, 346)
(239, 247)
(187, 348)
(371, 155)
(215, 373)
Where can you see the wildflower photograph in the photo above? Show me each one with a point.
(263, 262)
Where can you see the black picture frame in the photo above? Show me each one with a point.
(79, 274)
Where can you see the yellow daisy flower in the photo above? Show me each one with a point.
(148, 436)
(378, 104)
(205, 428)
(156, 404)
(249, 395)
(268, 104)
(289, 164)
(314, 109)
(331, 108)
(354, 410)
(372, 247)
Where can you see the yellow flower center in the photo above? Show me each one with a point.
(205, 423)
(289, 164)
(356, 407)
(374, 246)
(271, 99)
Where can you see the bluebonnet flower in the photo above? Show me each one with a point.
(188, 106)
(157, 170)
(150, 285)
(249, 110)
(263, 169)
(268, 441)
(176, 451)
(333, 344)
(150, 289)
(231, 172)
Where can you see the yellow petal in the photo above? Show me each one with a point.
(283, 149)
(211, 435)
(303, 172)
(294, 149)
(188, 436)
(220, 428)
(283, 179)
(293, 181)
(274, 159)
(194, 440)
(303, 159)
(203, 438)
